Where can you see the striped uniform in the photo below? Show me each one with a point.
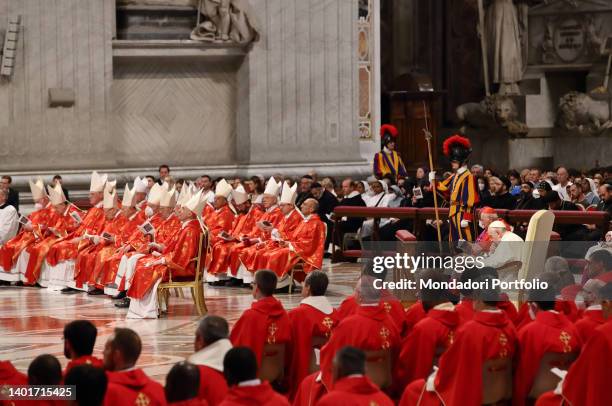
(463, 199)
(389, 162)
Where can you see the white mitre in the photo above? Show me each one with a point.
(272, 187)
(97, 182)
(289, 194)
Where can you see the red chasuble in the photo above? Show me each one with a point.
(40, 219)
(10, 376)
(414, 314)
(84, 360)
(266, 322)
(257, 395)
(465, 308)
(86, 259)
(133, 388)
(588, 380)
(191, 402)
(591, 319)
(549, 332)
(310, 390)
(213, 386)
(306, 322)
(218, 221)
(273, 216)
(65, 225)
(488, 336)
(92, 224)
(218, 258)
(178, 254)
(369, 329)
(355, 391)
(425, 343)
(256, 256)
(392, 306)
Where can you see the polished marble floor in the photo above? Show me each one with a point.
(32, 320)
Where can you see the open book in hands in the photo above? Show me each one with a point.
(75, 216)
(107, 236)
(24, 221)
(147, 228)
(224, 235)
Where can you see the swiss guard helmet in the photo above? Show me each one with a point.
(388, 133)
(457, 148)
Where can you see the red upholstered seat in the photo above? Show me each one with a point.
(405, 236)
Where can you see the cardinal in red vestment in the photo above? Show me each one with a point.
(91, 224)
(591, 319)
(128, 385)
(414, 314)
(64, 225)
(311, 324)
(306, 245)
(266, 322)
(486, 342)
(245, 389)
(255, 256)
(173, 260)
(430, 337)
(369, 329)
(217, 259)
(269, 220)
(10, 376)
(221, 219)
(351, 386)
(211, 344)
(38, 221)
(588, 380)
(551, 334)
(182, 384)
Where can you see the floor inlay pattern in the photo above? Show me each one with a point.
(32, 320)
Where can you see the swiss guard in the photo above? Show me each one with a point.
(460, 189)
(388, 161)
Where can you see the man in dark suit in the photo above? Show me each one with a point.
(164, 172)
(351, 198)
(500, 197)
(13, 195)
(327, 203)
(304, 190)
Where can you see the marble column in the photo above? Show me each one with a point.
(297, 87)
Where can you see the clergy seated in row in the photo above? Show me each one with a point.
(371, 329)
(304, 243)
(210, 345)
(551, 340)
(431, 336)
(9, 219)
(247, 216)
(32, 227)
(257, 256)
(60, 257)
(127, 384)
(477, 368)
(260, 232)
(182, 385)
(265, 328)
(79, 340)
(159, 224)
(593, 295)
(351, 386)
(245, 388)
(174, 258)
(587, 380)
(312, 323)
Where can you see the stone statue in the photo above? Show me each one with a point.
(226, 21)
(503, 33)
(579, 111)
(492, 112)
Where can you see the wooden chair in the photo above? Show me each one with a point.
(496, 380)
(196, 286)
(272, 367)
(545, 379)
(378, 367)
